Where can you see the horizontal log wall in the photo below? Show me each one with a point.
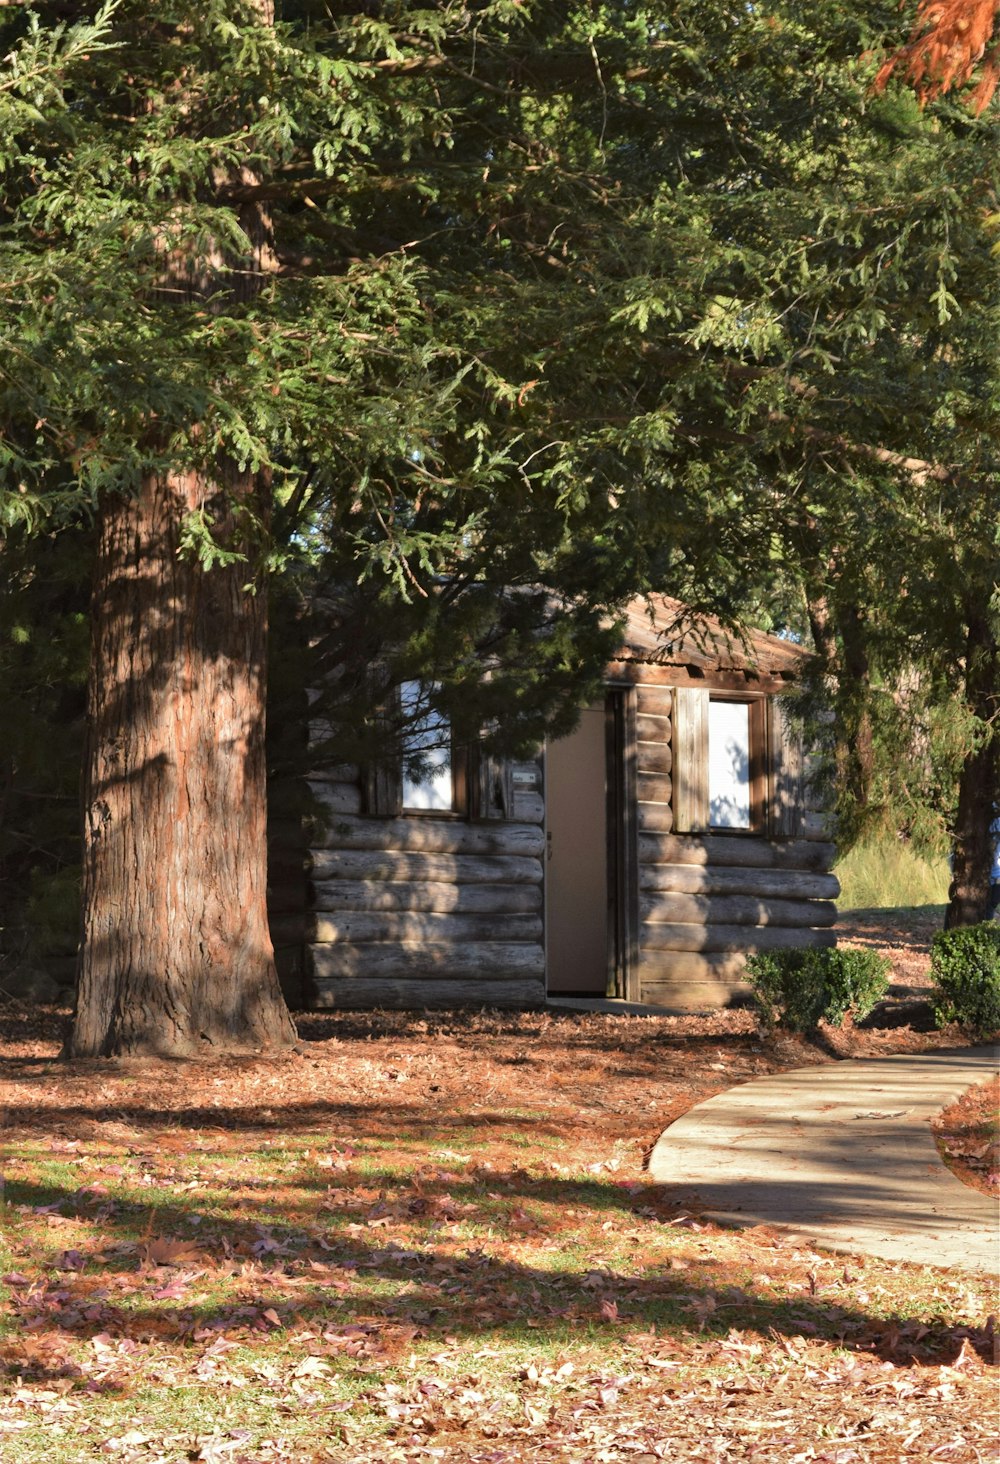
(335, 798)
(424, 834)
(406, 866)
(693, 968)
(382, 991)
(732, 850)
(424, 911)
(714, 879)
(287, 886)
(484, 961)
(357, 927)
(736, 938)
(654, 788)
(707, 900)
(477, 899)
(735, 910)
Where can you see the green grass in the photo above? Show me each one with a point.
(327, 1295)
(559, 1315)
(886, 874)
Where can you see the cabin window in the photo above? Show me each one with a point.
(432, 775)
(728, 765)
(736, 765)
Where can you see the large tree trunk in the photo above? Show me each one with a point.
(175, 956)
(979, 788)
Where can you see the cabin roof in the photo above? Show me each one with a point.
(661, 631)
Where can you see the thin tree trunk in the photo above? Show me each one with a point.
(175, 957)
(821, 626)
(838, 635)
(855, 697)
(979, 787)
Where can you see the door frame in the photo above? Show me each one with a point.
(623, 841)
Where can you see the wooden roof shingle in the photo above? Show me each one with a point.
(662, 631)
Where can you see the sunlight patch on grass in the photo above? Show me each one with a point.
(887, 875)
(381, 1286)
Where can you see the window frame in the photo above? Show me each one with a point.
(458, 759)
(758, 779)
(482, 782)
(777, 795)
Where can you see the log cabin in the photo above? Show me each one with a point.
(639, 859)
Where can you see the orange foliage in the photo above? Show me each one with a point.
(952, 41)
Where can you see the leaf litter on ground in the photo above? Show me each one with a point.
(431, 1236)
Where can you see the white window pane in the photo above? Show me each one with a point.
(427, 780)
(728, 765)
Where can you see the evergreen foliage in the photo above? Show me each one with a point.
(516, 286)
(549, 305)
(801, 988)
(965, 967)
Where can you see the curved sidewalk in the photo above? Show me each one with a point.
(842, 1154)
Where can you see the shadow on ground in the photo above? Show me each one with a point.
(324, 1263)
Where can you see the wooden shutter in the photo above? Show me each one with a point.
(785, 774)
(383, 774)
(493, 786)
(690, 759)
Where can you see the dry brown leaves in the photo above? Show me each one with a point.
(967, 1133)
(951, 42)
(430, 1236)
(903, 936)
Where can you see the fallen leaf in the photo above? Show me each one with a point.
(167, 1252)
(311, 1367)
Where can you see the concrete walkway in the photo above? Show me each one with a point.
(843, 1155)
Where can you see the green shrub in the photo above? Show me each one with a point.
(965, 968)
(798, 988)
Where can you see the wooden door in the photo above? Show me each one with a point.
(577, 885)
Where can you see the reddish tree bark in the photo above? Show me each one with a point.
(175, 953)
